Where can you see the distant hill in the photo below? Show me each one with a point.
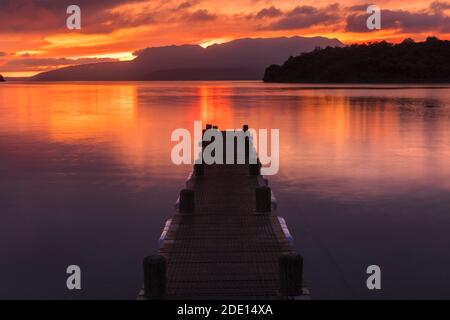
(242, 59)
(17, 79)
(382, 62)
(1, 78)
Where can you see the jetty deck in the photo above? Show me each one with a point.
(222, 243)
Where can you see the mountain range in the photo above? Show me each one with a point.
(241, 59)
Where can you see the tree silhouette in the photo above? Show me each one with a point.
(406, 62)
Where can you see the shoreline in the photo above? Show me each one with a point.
(289, 85)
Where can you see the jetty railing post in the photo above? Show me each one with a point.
(199, 169)
(263, 199)
(155, 277)
(291, 275)
(247, 149)
(224, 147)
(187, 201)
(206, 143)
(254, 169)
(246, 143)
(213, 138)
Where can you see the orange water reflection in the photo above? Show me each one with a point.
(364, 178)
(342, 141)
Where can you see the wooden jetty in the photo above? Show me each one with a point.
(225, 242)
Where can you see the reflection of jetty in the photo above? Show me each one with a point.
(225, 242)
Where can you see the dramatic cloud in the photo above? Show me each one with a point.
(306, 16)
(185, 5)
(200, 15)
(271, 12)
(438, 6)
(432, 20)
(39, 15)
(116, 28)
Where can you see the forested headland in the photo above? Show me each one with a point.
(381, 62)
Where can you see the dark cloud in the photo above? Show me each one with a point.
(200, 15)
(433, 20)
(41, 15)
(61, 5)
(270, 12)
(118, 20)
(446, 25)
(2, 54)
(360, 7)
(306, 16)
(439, 6)
(185, 5)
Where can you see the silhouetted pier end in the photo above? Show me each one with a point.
(225, 240)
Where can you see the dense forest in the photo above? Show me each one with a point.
(381, 62)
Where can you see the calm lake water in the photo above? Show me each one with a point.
(86, 178)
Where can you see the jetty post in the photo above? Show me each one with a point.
(263, 199)
(187, 201)
(199, 169)
(155, 279)
(291, 275)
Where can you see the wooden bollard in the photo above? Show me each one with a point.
(263, 199)
(213, 138)
(255, 169)
(155, 277)
(247, 149)
(291, 274)
(247, 143)
(224, 149)
(187, 201)
(198, 169)
(205, 143)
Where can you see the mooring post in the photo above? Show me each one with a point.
(291, 274)
(263, 199)
(224, 144)
(155, 277)
(187, 201)
(199, 169)
(213, 138)
(205, 143)
(247, 142)
(255, 169)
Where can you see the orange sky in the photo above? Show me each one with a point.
(34, 38)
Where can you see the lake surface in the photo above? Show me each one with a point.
(86, 179)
